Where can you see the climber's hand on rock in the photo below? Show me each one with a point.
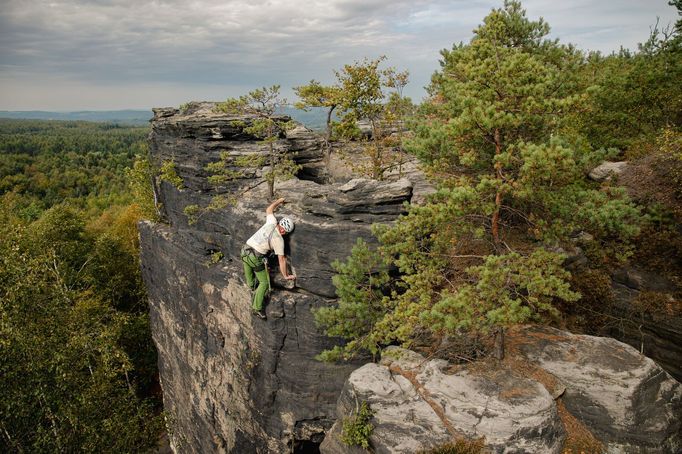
(290, 277)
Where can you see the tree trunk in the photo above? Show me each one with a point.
(271, 176)
(377, 170)
(498, 349)
(495, 222)
(328, 137)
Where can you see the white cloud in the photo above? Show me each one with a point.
(131, 46)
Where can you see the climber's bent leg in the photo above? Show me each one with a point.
(248, 270)
(262, 289)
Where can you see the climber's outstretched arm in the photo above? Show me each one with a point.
(273, 206)
(283, 268)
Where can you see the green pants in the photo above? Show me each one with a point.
(252, 263)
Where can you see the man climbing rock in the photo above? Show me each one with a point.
(254, 255)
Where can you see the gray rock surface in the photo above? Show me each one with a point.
(607, 170)
(232, 382)
(629, 403)
(417, 406)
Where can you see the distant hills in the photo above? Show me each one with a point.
(133, 117)
(314, 119)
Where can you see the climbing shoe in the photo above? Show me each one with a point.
(260, 314)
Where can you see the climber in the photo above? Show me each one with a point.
(254, 255)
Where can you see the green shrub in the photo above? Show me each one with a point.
(357, 429)
(169, 174)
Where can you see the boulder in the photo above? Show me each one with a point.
(419, 406)
(527, 403)
(606, 170)
(628, 402)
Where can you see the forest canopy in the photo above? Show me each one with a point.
(78, 366)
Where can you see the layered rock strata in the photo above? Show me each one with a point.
(233, 382)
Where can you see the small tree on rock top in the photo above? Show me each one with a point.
(364, 92)
(317, 95)
(263, 105)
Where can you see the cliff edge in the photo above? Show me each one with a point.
(233, 382)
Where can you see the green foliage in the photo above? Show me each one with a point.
(317, 95)
(358, 428)
(634, 95)
(76, 348)
(48, 162)
(192, 212)
(78, 363)
(214, 258)
(217, 203)
(230, 167)
(141, 181)
(167, 172)
(364, 92)
(498, 136)
(507, 289)
(375, 95)
(360, 285)
(262, 105)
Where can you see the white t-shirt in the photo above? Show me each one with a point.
(267, 238)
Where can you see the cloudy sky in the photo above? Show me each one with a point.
(117, 54)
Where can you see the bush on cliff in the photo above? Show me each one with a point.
(365, 92)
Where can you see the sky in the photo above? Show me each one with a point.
(65, 55)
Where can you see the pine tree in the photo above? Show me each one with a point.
(264, 105)
(486, 251)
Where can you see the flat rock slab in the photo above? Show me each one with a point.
(623, 397)
(627, 402)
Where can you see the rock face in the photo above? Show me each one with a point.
(235, 383)
(606, 170)
(626, 401)
(232, 382)
(657, 333)
(418, 407)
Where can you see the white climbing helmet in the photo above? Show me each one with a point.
(287, 224)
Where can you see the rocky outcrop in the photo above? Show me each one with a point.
(235, 383)
(417, 406)
(606, 170)
(651, 321)
(628, 402)
(232, 382)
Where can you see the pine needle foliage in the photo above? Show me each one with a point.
(263, 105)
(487, 250)
(358, 428)
(360, 284)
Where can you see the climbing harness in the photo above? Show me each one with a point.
(262, 259)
